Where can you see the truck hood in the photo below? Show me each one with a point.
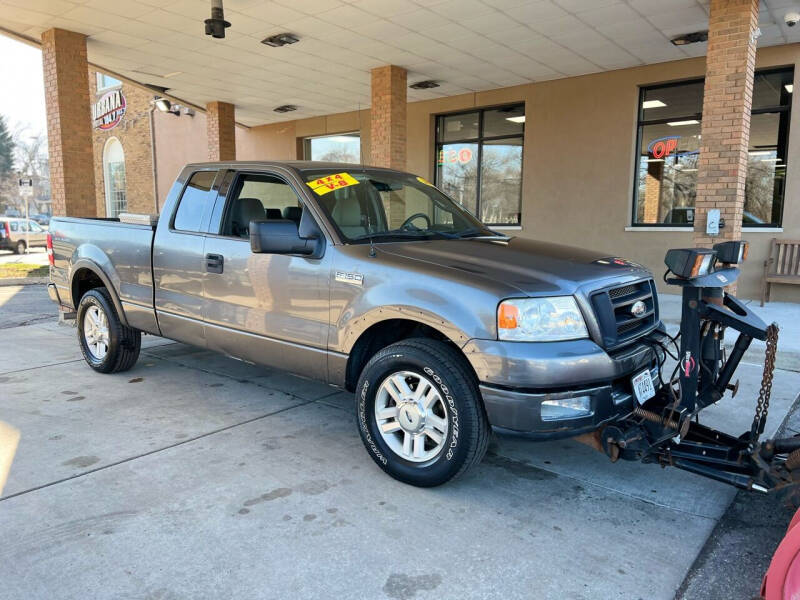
(535, 268)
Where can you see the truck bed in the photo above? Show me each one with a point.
(122, 251)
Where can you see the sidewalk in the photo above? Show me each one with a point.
(785, 314)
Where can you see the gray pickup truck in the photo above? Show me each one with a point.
(374, 281)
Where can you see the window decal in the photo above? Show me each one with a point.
(323, 185)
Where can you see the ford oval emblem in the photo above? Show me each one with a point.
(638, 308)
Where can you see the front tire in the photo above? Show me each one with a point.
(420, 413)
(20, 247)
(107, 345)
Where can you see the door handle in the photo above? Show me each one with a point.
(214, 263)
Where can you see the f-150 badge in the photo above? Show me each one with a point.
(354, 278)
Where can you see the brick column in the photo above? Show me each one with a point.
(727, 100)
(652, 192)
(69, 130)
(388, 117)
(221, 131)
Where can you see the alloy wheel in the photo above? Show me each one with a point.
(95, 332)
(411, 416)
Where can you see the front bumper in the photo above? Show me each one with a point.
(517, 377)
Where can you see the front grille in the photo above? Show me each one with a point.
(615, 293)
(618, 324)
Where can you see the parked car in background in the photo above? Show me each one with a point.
(13, 234)
(41, 219)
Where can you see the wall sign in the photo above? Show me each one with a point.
(108, 111)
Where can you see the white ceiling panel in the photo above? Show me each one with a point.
(466, 45)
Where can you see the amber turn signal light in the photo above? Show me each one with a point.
(507, 316)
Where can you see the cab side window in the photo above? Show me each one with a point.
(195, 201)
(256, 198)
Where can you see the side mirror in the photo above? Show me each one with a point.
(280, 237)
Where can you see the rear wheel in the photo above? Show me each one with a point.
(20, 247)
(420, 414)
(107, 345)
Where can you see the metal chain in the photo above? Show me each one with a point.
(762, 406)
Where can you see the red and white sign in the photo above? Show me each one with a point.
(108, 111)
(663, 147)
(463, 156)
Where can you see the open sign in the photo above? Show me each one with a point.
(663, 147)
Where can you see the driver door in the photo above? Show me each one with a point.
(269, 309)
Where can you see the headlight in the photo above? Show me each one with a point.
(689, 263)
(540, 320)
(731, 253)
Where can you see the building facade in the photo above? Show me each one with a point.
(628, 128)
(122, 145)
(594, 161)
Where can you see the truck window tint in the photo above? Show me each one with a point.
(195, 200)
(259, 197)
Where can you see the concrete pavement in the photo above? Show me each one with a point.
(34, 256)
(198, 476)
(25, 304)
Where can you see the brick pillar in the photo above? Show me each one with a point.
(221, 131)
(69, 129)
(388, 117)
(727, 100)
(652, 192)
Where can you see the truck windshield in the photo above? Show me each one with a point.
(369, 204)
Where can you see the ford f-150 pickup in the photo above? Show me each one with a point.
(374, 281)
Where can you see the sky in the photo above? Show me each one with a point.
(21, 87)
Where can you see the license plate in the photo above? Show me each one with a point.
(643, 387)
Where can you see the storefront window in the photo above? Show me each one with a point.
(344, 147)
(669, 143)
(114, 174)
(105, 82)
(479, 162)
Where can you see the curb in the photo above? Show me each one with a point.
(9, 281)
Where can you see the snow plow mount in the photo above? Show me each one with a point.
(665, 430)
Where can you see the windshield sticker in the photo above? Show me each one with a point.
(425, 181)
(323, 185)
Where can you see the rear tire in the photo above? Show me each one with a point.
(420, 413)
(107, 345)
(20, 247)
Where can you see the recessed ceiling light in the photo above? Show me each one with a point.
(690, 38)
(516, 119)
(280, 39)
(655, 160)
(679, 123)
(789, 87)
(653, 104)
(285, 108)
(424, 85)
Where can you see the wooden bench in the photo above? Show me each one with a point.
(782, 265)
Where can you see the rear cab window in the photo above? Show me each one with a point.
(195, 202)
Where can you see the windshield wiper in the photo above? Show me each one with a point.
(474, 232)
(411, 234)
